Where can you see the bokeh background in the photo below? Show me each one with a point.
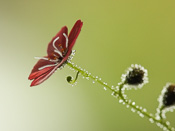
(115, 34)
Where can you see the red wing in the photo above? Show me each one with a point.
(44, 68)
(43, 76)
(72, 37)
(59, 46)
(74, 33)
(59, 42)
(40, 67)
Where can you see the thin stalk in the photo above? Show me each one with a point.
(160, 113)
(121, 97)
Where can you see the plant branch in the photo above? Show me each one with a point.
(119, 93)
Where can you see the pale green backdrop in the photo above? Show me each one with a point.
(115, 34)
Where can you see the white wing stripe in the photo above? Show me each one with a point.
(66, 39)
(46, 66)
(43, 58)
(57, 51)
(54, 43)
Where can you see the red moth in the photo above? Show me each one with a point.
(58, 52)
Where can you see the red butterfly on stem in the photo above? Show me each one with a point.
(59, 50)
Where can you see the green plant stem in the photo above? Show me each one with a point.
(121, 96)
(160, 114)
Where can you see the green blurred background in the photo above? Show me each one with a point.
(115, 34)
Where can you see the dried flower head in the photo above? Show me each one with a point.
(166, 99)
(169, 96)
(135, 77)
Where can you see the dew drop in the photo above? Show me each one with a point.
(105, 88)
(120, 101)
(167, 123)
(164, 128)
(87, 78)
(171, 110)
(112, 87)
(117, 88)
(104, 83)
(133, 110)
(151, 120)
(144, 110)
(151, 114)
(125, 96)
(141, 115)
(129, 101)
(93, 82)
(157, 117)
(127, 106)
(113, 93)
(159, 125)
(117, 95)
(133, 103)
